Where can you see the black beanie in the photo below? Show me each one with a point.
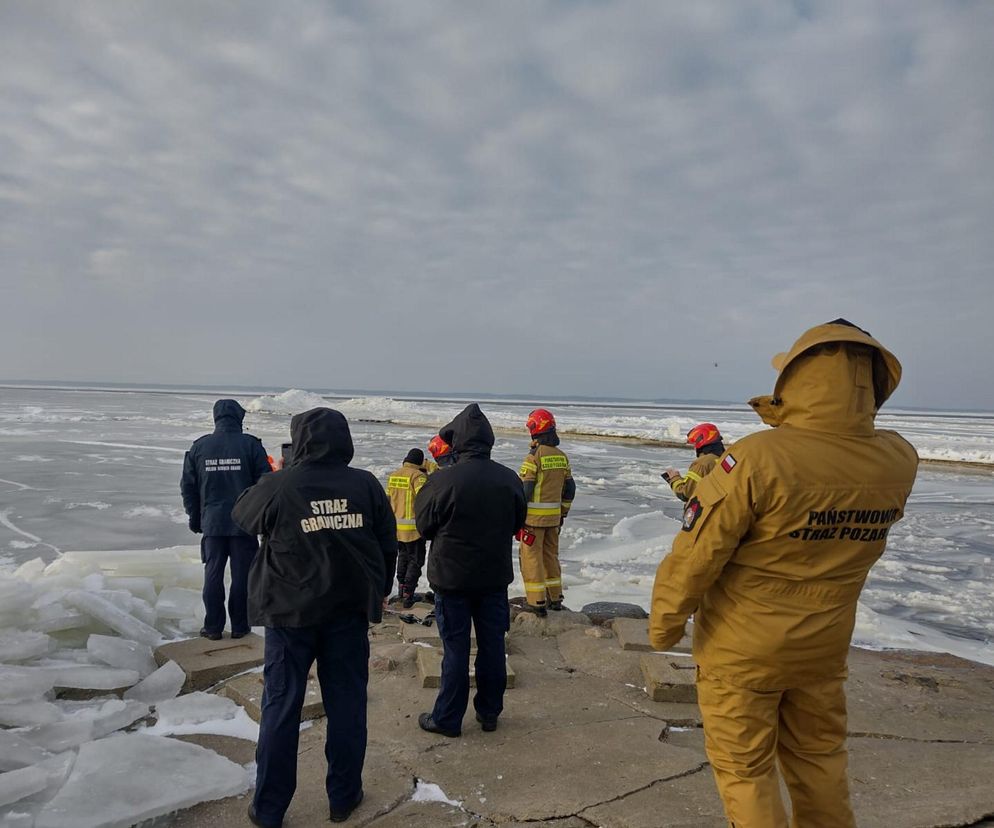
(415, 456)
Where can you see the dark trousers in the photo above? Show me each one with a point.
(216, 552)
(341, 648)
(410, 560)
(488, 612)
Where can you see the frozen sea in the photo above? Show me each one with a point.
(99, 470)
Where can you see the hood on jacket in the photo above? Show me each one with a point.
(321, 435)
(834, 378)
(228, 415)
(469, 433)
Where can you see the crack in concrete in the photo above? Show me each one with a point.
(896, 738)
(580, 814)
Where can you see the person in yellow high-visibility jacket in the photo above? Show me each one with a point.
(402, 486)
(707, 442)
(776, 545)
(549, 489)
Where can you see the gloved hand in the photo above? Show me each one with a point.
(194, 523)
(562, 520)
(671, 474)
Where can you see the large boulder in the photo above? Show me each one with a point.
(603, 612)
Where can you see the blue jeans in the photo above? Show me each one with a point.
(216, 552)
(341, 648)
(488, 612)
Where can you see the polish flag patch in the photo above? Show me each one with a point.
(728, 463)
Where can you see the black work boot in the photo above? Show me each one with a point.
(210, 636)
(426, 722)
(487, 725)
(556, 606)
(342, 814)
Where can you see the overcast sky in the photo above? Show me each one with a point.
(551, 198)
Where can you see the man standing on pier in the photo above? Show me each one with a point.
(470, 513)
(217, 468)
(329, 546)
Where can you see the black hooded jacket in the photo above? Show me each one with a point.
(329, 538)
(470, 511)
(219, 467)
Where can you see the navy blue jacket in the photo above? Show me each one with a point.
(219, 467)
(329, 537)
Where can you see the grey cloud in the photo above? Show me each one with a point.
(559, 198)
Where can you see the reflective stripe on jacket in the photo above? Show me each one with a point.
(402, 486)
(685, 486)
(548, 468)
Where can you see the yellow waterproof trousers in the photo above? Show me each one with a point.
(746, 732)
(540, 566)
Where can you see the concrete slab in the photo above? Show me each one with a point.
(207, 662)
(599, 656)
(430, 669)
(903, 783)
(246, 690)
(387, 785)
(633, 634)
(239, 751)
(669, 678)
(928, 696)
(555, 623)
(413, 633)
(538, 775)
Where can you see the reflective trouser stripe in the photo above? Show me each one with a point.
(544, 509)
(694, 476)
(405, 524)
(540, 569)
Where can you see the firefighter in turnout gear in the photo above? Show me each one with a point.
(550, 489)
(706, 440)
(442, 452)
(775, 547)
(402, 487)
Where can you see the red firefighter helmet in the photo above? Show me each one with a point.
(540, 421)
(703, 434)
(438, 447)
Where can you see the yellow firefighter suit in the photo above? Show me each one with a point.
(547, 468)
(402, 485)
(685, 486)
(775, 546)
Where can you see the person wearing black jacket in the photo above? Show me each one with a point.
(470, 512)
(324, 571)
(217, 468)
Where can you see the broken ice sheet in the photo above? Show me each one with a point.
(177, 603)
(204, 713)
(16, 751)
(122, 653)
(17, 784)
(194, 708)
(23, 645)
(124, 779)
(83, 677)
(114, 617)
(28, 713)
(20, 683)
(164, 683)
